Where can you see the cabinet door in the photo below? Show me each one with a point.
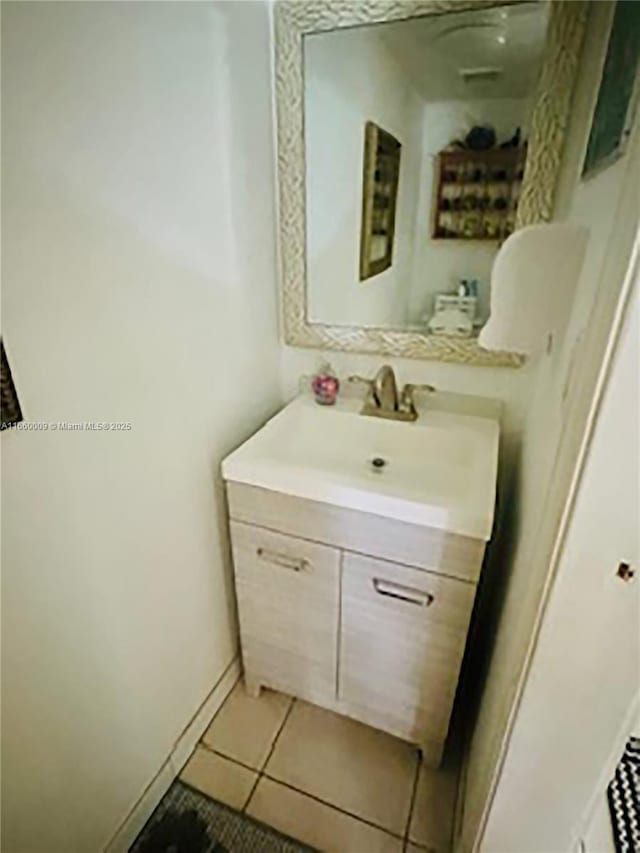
(403, 633)
(288, 602)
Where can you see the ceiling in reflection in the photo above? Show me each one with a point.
(471, 55)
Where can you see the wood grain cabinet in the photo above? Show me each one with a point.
(403, 633)
(288, 594)
(375, 639)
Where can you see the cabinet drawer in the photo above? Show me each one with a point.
(403, 633)
(288, 592)
(412, 544)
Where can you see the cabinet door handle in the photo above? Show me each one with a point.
(296, 565)
(404, 593)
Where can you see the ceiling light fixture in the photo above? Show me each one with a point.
(472, 75)
(501, 40)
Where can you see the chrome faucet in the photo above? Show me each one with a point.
(382, 400)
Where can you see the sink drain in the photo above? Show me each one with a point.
(378, 463)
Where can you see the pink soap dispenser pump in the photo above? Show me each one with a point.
(325, 386)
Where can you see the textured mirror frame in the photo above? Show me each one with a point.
(297, 18)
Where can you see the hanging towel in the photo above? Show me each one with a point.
(623, 794)
(533, 281)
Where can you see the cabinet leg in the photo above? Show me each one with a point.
(431, 755)
(252, 686)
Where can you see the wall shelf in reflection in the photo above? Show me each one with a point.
(477, 193)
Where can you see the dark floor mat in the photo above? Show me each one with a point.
(186, 821)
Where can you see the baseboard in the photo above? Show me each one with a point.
(141, 812)
(128, 831)
(187, 741)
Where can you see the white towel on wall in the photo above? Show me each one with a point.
(533, 282)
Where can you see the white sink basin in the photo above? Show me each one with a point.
(439, 471)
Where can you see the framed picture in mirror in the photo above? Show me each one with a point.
(381, 169)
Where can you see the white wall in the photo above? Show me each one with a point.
(139, 286)
(352, 78)
(585, 673)
(438, 265)
(607, 203)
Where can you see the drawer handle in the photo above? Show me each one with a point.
(404, 593)
(282, 560)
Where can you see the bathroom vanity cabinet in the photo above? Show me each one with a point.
(359, 613)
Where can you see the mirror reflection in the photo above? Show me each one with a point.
(415, 147)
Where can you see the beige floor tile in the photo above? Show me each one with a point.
(359, 769)
(315, 823)
(219, 778)
(245, 728)
(432, 818)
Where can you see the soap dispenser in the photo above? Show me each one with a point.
(325, 386)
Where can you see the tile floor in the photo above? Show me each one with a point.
(323, 779)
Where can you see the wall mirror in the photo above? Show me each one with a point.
(413, 138)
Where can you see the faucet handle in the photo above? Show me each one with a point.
(410, 387)
(371, 385)
(361, 379)
(406, 398)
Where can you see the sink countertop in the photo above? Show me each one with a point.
(440, 471)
